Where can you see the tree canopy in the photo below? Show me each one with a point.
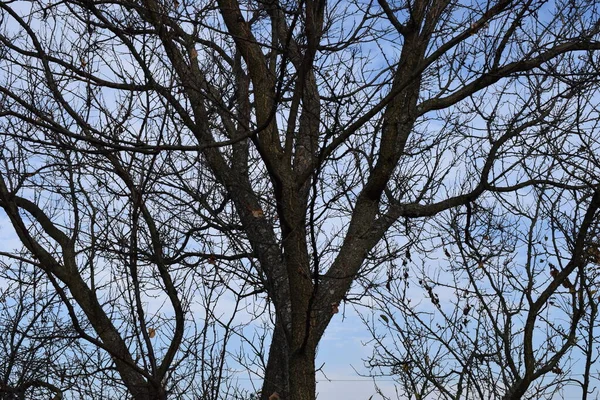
(181, 173)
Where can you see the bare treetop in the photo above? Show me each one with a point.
(281, 155)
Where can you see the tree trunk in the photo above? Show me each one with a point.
(147, 392)
(290, 375)
(302, 375)
(276, 374)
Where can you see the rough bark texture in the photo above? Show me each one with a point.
(277, 370)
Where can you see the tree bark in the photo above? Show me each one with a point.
(276, 374)
(302, 374)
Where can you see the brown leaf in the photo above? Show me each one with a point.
(258, 213)
(274, 396)
(151, 332)
(212, 260)
(335, 308)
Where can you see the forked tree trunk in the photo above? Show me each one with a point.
(290, 373)
(291, 376)
(147, 392)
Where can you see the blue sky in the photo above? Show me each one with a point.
(343, 347)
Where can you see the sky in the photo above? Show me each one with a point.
(342, 350)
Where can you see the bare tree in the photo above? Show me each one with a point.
(141, 306)
(498, 298)
(277, 151)
(508, 312)
(34, 339)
